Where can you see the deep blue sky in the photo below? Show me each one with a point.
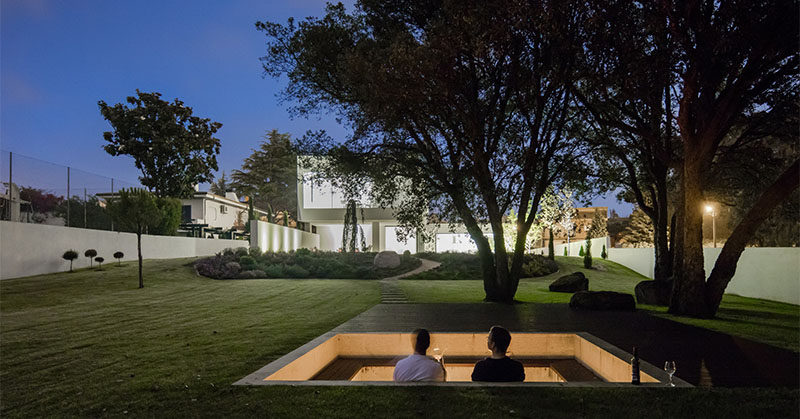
(58, 58)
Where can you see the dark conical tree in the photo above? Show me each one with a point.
(551, 249)
(350, 233)
(587, 256)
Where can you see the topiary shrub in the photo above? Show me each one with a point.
(247, 263)
(604, 254)
(99, 261)
(227, 251)
(580, 252)
(241, 251)
(90, 253)
(70, 255)
(587, 257)
(254, 251)
(565, 251)
(118, 256)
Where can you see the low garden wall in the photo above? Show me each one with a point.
(771, 273)
(33, 249)
(277, 238)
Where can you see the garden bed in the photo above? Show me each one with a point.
(242, 263)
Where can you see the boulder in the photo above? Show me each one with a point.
(573, 282)
(655, 293)
(386, 259)
(602, 300)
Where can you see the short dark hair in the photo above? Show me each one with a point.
(422, 340)
(500, 337)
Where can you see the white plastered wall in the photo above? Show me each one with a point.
(33, 249)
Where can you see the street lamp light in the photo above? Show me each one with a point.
(710, 211)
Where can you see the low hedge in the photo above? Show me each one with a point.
(302, 263)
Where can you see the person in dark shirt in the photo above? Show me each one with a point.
(498, 367)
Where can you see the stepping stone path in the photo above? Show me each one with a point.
(391, 293)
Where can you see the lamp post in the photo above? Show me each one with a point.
(710, 211)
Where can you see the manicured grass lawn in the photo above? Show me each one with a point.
(760, 320)
(91, 344)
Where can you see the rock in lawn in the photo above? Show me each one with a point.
(573, 282)
(386, 259)
(655, 293)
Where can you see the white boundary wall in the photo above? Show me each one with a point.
(575, 247)
(771, 273)
(33, 249)
(277, 238)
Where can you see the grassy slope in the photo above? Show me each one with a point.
(764, 321)
(91, 344)
(90, 341)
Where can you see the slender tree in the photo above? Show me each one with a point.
(135, 210)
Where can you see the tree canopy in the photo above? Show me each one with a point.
(269, 175)
(463, 105)
(172, 148)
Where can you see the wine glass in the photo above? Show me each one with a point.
(438, 354)
(669, 367)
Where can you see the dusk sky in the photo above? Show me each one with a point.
(58, 58)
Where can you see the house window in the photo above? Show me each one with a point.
(223, 209)
(186, 213)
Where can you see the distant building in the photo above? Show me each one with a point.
(582, 222)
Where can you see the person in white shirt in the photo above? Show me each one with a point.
(418, 367)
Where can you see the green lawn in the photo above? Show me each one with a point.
(91, 344)
(761, 320)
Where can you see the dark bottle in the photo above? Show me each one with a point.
(635, 366)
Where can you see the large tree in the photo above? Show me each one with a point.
(627, 86)
(172, 148)
(269, 175)
(733, 58)
(467, 101)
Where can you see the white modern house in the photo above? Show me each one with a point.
(321, 208)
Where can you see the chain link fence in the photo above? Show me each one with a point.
(42, 192)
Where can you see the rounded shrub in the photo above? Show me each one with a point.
(254, 251)
(247, 262)
(99, 261)
(90, 253)
(118, 256)
(70, 255)
(241, 251)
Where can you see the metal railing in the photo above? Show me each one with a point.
(37, 191)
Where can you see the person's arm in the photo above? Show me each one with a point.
(477, 373)
(521, 374)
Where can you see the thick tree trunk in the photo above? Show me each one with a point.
(663, 263)
(503, 278)
(139, 248)
(725, 266)
(689, 290)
